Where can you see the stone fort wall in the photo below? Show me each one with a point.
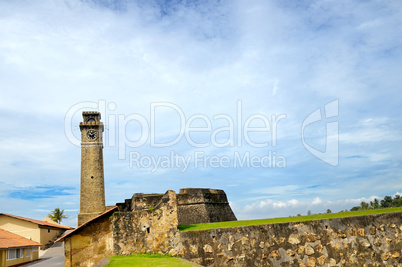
(194, 205)
(199, 205)
(372, 240)
(147, 230)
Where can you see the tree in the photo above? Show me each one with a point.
(386, 202)
(329, 211)
(355, 208)
(364, 205)
(57, 215)
(376, 203)
(309, 212)
(396, 201)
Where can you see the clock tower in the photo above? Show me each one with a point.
(92, 196)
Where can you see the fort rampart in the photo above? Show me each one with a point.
(372, 240)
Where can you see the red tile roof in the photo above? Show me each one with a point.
(10, 240)
(41, 223)
(108, 209)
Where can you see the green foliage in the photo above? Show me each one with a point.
(397, 201)
(57, 215)
(376, 203)
(364, 205)
(285, 219)
(143, 260)
(329, 211)
(387, 202)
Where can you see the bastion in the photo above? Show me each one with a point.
(194, 205)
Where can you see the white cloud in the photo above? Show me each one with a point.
(317, 201)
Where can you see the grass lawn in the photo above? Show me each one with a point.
(143, 260)
(285, 219)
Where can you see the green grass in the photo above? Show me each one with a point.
(285, 219)
(143, 260)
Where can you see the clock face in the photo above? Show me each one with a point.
(91, 134)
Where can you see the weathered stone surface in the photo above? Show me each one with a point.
(275, 254)
(151, 230)
(262, 244)
(290, 252)
(385, 256)
(294, 239)
(353, 259)
(311, 237)
(318, 248)
(90, 244)
(361, 232)
(342, 234)
(194, 205)
(395, 255)
(372, 230)
(311, 262)
(365, 243)
(321, 260)
(203, 205)
(309, 250)
(92, 196)
(208, 249)
(194, 249)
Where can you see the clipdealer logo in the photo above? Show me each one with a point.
(330, 154)
(245, 144)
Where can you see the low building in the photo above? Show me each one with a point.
(39, 231)
(15, 249)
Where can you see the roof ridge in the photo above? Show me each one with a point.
(44, 223)
(10, 240)
(112, 208)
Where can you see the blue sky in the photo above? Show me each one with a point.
(329, 70)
